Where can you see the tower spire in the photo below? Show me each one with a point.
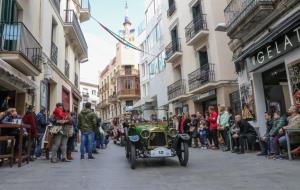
(126, 20)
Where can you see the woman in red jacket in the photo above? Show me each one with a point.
(213, 127)
(61, 138)
(30, 119)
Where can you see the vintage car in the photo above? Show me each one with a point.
(155, 140)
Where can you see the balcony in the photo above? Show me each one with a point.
(104, 103)
(172, 9)
(130, 72)
(201, 76)
(74, 34)
(54, 52)
(176, 90)
(113, 98)
(242, 15)
(20, 49)
(196, 30)
(173, 51)
(128, 87)
(85, 10)
(85, 96)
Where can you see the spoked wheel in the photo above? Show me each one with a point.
(132, 156)
(127, 149)
(183, 153)
(122, 141)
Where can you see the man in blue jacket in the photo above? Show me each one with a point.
(42, 122)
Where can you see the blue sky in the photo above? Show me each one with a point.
(101, 44)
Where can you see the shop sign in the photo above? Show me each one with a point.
(204, 95)
(276, 48)
(294, 75)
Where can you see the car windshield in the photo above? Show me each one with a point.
(139, 116)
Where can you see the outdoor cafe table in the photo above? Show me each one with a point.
(287, 135)
(21, 128)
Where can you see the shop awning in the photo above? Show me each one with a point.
(273, 34)
(15, 78)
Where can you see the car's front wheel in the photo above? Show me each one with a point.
(127, 149)
(183, 153)
(132, 156)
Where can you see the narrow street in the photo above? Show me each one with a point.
(207, 170)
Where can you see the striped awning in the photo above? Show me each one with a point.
(15, 78)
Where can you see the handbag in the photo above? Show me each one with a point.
(55, 130)
(70, 130)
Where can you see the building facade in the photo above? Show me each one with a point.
(153, 72)
(89, 93)
(199, 69)
(265, 40)
(42, 46)
(119, 84)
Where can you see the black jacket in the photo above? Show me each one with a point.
(246, 128)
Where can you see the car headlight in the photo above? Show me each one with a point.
(145, 133)
(173, 133)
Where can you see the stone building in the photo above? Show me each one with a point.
(41, 49)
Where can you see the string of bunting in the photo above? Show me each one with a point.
(116, 36)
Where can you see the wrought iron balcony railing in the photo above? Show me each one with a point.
(54, 52)
(172, 9)
(15, 37)
(113, 97)
(176, 89)
(201, 76)
(193, 28)
(237, 10)
(172, 48)
(71, 18)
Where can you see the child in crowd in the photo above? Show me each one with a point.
(203, 134)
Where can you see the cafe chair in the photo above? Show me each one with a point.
(11, 154)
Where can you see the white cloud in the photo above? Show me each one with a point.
(101, 52)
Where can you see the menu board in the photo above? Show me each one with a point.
(294, 76)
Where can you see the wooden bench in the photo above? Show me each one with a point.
(11, 155)
(287, 135)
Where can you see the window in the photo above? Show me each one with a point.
(128, 84)
(143, 69)
(197, 10)
(150, 12)
(94, 92)
(129, 103)
(203, 57)
(157, 65)
(128, 70)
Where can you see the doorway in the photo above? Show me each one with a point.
(276, 91)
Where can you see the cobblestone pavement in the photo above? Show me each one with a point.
(207, 170)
